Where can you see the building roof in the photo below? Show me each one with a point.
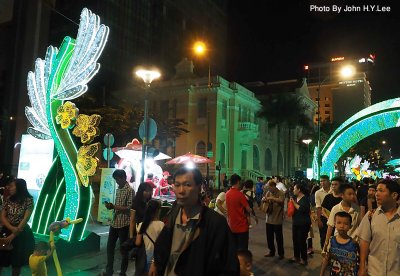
(275, 87)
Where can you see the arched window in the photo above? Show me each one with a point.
(268, 160)
(201, 148)
(244, 160)
(256, 158)
(222, 156)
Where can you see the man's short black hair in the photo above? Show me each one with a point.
(391, 185)
(343, 214)
(344, 187)
(197, 176)
(324, 176)
(119, 174)
(249, 184)
(365, 180)
(246, 254)
(235, 178)
(372, 186)
(338, 179)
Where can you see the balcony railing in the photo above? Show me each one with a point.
(248, 126)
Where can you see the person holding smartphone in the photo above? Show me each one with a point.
(119, 228)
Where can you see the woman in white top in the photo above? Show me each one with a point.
(148, 232)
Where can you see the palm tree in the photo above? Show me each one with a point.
(284, 110)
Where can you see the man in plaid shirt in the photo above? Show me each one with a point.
(119, 228)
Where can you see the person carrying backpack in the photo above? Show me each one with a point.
(249, 194)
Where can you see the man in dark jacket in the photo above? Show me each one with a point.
(196, 240)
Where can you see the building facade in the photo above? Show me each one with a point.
(222, 119)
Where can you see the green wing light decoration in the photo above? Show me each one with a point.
(61, 77)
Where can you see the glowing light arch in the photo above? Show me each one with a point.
(373, 119)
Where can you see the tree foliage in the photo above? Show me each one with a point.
(123, 119)
(284, 109)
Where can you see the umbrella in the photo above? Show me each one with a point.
(129, 153)
(190, 158)
(133, 150)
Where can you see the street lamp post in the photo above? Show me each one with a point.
(147, 76)
(307, 142)
(345, 72)
(319, 126)
(199, 48)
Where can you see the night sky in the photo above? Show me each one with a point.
(273, 40)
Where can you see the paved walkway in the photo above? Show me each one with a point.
(92, 264)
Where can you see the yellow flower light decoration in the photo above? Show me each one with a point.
(86, 127)
(66, 115)
(86, 164)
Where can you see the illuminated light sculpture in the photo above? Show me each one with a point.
(66, 115)
(63, 75)
(56, 227)
(373, 119)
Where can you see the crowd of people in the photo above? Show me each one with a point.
(358, 223)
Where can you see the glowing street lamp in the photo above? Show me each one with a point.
(147, 76)
(346, 71)
(200, 49)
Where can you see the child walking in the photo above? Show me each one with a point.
(246, 262)
(148, 232)
(342, 252)
(37, 261)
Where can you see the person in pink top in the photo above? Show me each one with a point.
(237, 210)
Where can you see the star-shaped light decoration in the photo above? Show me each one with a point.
(86, 164)
(86, 127)
(66, 115)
